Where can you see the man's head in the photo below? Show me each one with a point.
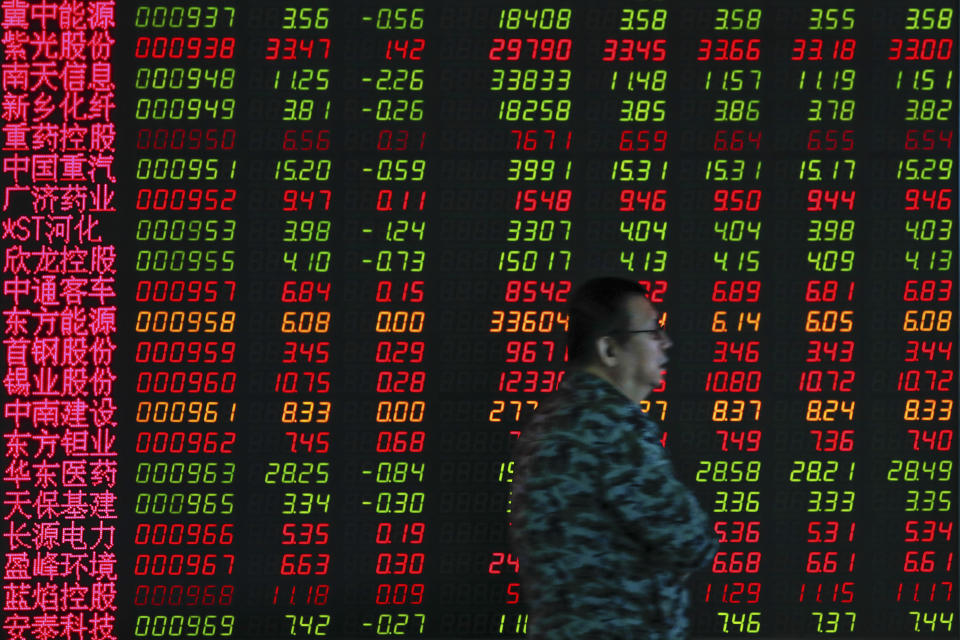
(615, 334)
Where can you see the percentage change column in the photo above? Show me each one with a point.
(393, 234)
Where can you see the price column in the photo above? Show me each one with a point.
(531, 78)
(634, 64)
(731, 74)
(920, 473)
(295, 229)
(393, 232)
(823, 73)
(185, 324)
(634, 68)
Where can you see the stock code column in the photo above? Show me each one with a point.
(183, 108)
(292, 211)
(916, 453)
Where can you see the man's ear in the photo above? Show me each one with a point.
(606, 350)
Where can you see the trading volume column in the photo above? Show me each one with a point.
(531, 74)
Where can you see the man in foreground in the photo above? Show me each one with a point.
(605, 533)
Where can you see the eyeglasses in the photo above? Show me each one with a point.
(660, 330)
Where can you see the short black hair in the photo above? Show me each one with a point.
(597, 309)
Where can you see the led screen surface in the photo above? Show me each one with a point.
(283, 282)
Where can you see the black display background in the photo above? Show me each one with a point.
(468, 204)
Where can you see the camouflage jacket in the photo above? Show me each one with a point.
(604, 531)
